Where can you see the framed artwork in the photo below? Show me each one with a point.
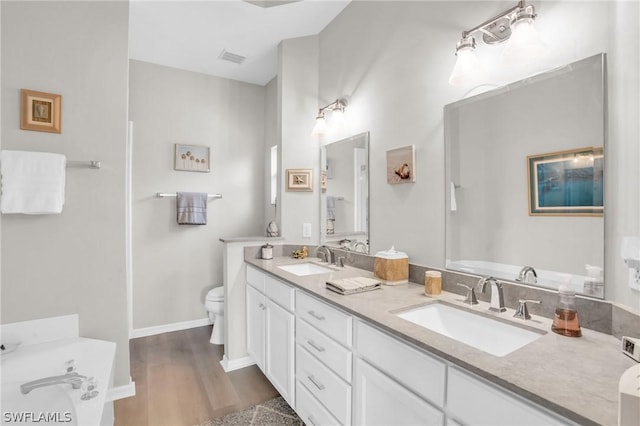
(192, 158)
(567, 183)
(299, 180)
(40, 111)
(401, 165)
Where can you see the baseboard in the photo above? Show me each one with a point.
(120, 392)
(166, 328)
(236, 364)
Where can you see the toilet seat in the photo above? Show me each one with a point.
(215, 295)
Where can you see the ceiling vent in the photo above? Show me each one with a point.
(270, 3)
(231, 57)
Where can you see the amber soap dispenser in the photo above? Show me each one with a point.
(565, 319)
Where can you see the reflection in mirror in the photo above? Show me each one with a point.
(344, 193)
(524, 180)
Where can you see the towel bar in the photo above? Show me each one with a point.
(167, 195)
(90, 164)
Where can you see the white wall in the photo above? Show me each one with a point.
(393, 60)
(73, 262)
(297, 104)
(175, 265)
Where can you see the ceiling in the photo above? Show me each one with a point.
(191, 34)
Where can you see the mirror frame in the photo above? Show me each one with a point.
(602, 60)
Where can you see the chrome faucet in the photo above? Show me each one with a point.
(528, 275)
(497, 294)
(327, 254)
(73, 379)
(358, 245)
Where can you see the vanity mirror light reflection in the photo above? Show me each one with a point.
(344, 193)
(524, 173)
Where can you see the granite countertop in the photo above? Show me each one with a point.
(574, 377)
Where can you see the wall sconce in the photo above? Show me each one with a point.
(515, 25)
(337, 107)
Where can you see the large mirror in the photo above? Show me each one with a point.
(524, 174)
(344, 193)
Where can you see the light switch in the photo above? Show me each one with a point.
(306, 230)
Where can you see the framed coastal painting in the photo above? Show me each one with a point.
(40, 111)
(299, 180)
(401, 165)
(567, 183)
(192, 158)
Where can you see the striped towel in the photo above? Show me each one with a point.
(191, 208)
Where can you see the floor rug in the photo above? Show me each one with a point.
(271, 413)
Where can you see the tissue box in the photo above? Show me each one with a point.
(391, 267)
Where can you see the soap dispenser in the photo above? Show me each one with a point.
(565, 319)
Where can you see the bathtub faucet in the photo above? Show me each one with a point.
(74, 379)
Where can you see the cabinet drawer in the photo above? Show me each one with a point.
(472, 400)
(324, 385)
(280, 293)
(331, 321)
(330, 353)
(380, 400)
(255, 278)
(416, 370)
(310, 410)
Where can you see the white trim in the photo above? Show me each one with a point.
(120, 392)
(166, 328)
(128, 226)
(236, 364)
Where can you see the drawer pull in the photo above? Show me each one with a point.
(311, 420)
(261, 306)
(315, 346)
(316, 316)
(313, 380)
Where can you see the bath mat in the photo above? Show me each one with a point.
(271, 413)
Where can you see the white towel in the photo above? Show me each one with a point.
(32, 182)
(454, 204)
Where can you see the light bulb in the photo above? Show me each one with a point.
(524, 45)
(467, 69)
(320, 127)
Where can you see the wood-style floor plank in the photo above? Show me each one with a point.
(179, 381)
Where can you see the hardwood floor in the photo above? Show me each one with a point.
(179, 381)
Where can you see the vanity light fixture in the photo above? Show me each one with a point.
(337, 107)
(515, 25)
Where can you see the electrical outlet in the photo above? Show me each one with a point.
(634, 279)
(306, 230)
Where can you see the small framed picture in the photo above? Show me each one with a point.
(401, 165)
(299, 180)
(192, 158)
(567, 183)
(40, 111)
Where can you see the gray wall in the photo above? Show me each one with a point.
(73, 262)
(175, 265)
(297, 104)
(395, 69)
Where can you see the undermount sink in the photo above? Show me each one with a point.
(487, 334)
(302, 269)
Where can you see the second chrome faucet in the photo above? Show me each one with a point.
(497, 293)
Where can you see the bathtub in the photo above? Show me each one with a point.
(547, 279)
(57, 404)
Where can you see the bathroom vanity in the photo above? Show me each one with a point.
(353, 360)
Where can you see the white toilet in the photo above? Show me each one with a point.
(214, 303)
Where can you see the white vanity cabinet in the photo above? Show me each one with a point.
(394, 382)
(323, 362)
(472, 400)
(271, 330)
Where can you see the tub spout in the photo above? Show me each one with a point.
(73, 379)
